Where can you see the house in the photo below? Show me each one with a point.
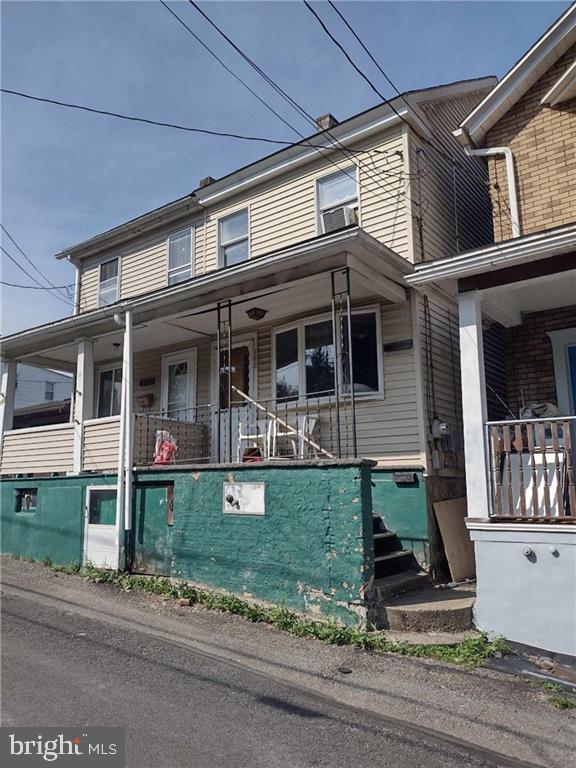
(519, 398)
(215, 433)
(42, 396)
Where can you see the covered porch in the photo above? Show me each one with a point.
(517, 317)
(252, 363)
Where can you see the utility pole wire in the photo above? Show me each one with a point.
(301, 111)
(29, 260)
(34, 280)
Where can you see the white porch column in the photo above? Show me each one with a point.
(124, 486)
(83, 397)
(7, 395)
(474, 409)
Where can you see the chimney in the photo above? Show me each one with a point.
(325, 122)
(206, 181)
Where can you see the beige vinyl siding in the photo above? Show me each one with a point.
(144, 269)
(387, 428)
(282, 212)
(101, 444)
(38, 450)
(454, 204)
(89, 282)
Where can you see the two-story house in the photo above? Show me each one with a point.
(520, 445)
(262, 323)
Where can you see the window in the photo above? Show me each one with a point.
(337, 191)
(26, 499)
(180, 253)
(109, 392)
(102, 507)
(108, 293)
(306, 358)
(233, 238)
(49, 391)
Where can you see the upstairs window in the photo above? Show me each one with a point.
(108, 292)
(49, 391)
(180, 255)
(233, 238)
(338, 200)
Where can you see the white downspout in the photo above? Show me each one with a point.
(129, 423)
(510, 179)
(119, 529)
(76, 285)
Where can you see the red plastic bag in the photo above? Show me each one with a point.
(165, 448)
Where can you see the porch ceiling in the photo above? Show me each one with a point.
(292, 283)
(506, 303)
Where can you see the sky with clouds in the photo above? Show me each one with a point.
(68, 175)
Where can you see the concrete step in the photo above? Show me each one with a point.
(432, 610)
(378, 524)
(386, 543)
(384, 589)
(393, 563)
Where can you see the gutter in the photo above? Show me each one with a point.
(495, 257)
(76, 284)
(224, 278)
(510, 180)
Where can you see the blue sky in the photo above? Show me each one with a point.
(67, 175)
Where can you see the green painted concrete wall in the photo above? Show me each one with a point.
(312, 550)
(56, 528)
(404, 511)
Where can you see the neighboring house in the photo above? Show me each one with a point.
(520, 464)
(41, 385)
(225, 328)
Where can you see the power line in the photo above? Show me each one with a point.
(301, 110)
(34, 287)
(29, 260)
(443, 153)
(136, 119)
(222, 134)
(34, 280)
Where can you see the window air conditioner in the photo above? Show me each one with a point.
(338, 218)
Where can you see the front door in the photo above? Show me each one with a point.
(100, 542)
(153, 522)
(179, 385)
(241, 374)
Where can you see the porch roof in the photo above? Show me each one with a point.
(525, 274)
(376, 268)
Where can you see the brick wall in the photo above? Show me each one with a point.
(530, 364)
(543, 140)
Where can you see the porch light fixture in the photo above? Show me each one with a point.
(255, 313)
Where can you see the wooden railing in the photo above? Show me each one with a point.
(532, 469)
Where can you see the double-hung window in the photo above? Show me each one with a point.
(108, 288)
(180, 255)
(306, 363)
(109, 392)
(338, 199)
(49, 391)
(233, 238)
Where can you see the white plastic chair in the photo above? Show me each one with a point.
(258, 433)
(305, 429)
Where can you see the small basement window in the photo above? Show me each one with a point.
(26, 499)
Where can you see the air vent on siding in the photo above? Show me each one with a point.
(338, 218)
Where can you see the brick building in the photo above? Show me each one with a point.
(517, 316)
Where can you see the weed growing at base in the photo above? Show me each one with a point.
(470, 653)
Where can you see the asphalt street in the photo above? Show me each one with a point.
(182, 708)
